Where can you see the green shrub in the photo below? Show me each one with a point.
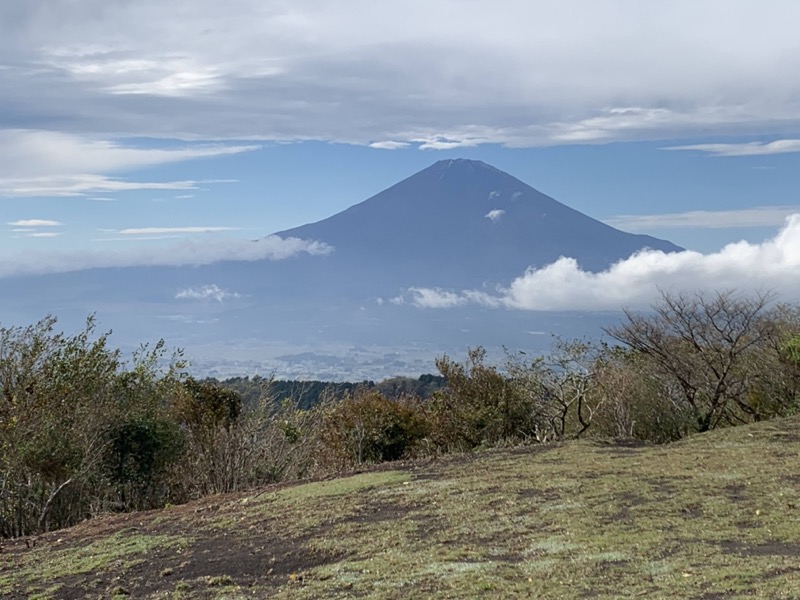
(139, 454)
(478, 406)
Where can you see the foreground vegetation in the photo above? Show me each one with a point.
(84, 433)
(713, 516)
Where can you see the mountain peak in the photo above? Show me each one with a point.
(463, 222)
(462, 165)
(461, 162)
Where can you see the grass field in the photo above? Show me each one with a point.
(714, 516)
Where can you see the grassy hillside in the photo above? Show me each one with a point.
(714, 516)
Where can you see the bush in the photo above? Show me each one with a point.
(631, 403)
(478, 406)
(139, 454)
(264, 443)
(367, 427)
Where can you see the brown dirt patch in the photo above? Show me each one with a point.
(624, 502)
(766, 549)
(692, 511)
(548, 495)
(735, 491)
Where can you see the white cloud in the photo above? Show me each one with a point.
(495, 215)
(744, 149)
(35, 223)
(389, 145)
(760, 216)
(207, 292)
(189, 252)
(173, 230)
(436, 298)
(635, 282)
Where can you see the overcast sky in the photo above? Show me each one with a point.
(128, 125)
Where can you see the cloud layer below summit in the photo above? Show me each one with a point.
(637, 281)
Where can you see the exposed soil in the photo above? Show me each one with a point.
(767, 549)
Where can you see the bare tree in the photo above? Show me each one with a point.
(700, 346)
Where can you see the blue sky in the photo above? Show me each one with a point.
(129, 128)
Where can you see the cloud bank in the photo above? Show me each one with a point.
(635, 282)
(188, 253)
(508, 71)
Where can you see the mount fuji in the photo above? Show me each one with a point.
(459, 224)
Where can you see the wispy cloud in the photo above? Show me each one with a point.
(35, 223)
(80, 185)
(744, 149)
(449, 143)
(182, 83)
(44, 234)
(189, 252)
(636, 281)
(142, 238)
(207, 292)
(173, 230)
(47, 163)
(760, 216)
(30, 152)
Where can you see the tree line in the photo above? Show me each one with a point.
(84, 432)
(309, 393)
